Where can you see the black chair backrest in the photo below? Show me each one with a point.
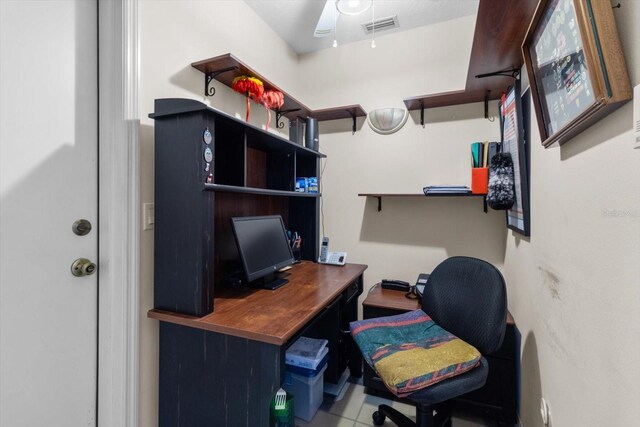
(468, 297)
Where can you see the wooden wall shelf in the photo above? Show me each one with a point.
(500, 29)
(227, 67)
(379, 196)
(445, 99)
(346, 112)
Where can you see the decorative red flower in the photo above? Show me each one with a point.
(271, 99)
(249, 87)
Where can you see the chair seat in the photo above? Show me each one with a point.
(410, 351)
(454, 386)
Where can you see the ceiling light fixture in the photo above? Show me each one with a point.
(353, 7)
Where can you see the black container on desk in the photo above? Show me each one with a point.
(311, 138)
(296, 130)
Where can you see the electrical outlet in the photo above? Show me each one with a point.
(148, 216)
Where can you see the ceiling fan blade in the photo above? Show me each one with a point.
(327, 20)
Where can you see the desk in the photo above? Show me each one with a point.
(224, 368)
(497, 399)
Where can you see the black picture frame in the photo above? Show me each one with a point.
(515, 140)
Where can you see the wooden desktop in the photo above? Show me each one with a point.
(225, 368)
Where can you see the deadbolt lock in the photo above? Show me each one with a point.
(83, 267)
(81, 227)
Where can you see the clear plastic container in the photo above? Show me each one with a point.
(307, 393)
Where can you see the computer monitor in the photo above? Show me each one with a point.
(263, 247)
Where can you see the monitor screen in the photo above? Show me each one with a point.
(263, 246)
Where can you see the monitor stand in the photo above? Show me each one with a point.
(270, 281)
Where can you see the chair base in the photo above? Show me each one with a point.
(424, 416)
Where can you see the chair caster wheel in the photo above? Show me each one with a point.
(378, 418)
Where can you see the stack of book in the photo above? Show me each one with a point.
(307, 355)
(446, 189)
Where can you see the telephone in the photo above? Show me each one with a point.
(395, 285)
(333, 258)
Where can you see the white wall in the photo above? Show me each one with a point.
(573, 286)
(409, 235)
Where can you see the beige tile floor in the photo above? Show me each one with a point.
(356, 407)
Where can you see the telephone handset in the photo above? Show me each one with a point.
(324, 249)
(333, 258)
(395, 285)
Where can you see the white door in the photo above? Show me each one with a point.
(48, 180)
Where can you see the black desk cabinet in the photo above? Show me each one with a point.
(498, 399)
(213, 379)
(210, 167)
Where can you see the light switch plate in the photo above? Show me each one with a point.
(636, 117)
(148, 216)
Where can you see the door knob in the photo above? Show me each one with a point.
(83, 267)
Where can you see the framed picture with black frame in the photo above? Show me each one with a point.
(515, 141)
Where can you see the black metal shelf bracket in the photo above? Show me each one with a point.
(484, 204)
(208, 77)
(513, 72)
(207, 80)
(353, 126)
(280, 113)
(379, 203)
(422, 113)
(486, 104)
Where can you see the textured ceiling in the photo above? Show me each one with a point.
(295, 20)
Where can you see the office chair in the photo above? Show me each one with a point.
(467, 297)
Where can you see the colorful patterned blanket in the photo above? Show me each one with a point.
(410, 351)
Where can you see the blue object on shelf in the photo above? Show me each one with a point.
(302, 185)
